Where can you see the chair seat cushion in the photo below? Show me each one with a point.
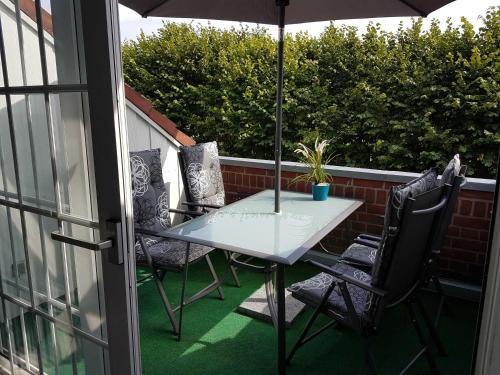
(169, 253)
(361, 255)
(312, 290)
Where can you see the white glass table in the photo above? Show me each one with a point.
(250, 227)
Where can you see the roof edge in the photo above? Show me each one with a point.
(145, 106)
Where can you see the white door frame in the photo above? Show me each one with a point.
(487, 353)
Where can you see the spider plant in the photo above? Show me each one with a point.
(315, 160)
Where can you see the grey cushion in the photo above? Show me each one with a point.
(312, 290)
(169, 252)
(451, 171)
(359, 255)
(151, 201)
(203, 173)
(398, 196)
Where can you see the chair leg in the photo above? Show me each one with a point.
(183, 291)
(158, 282)
(370, 361)
(233, 269)
(166, 303)
(421, 338)
(431, 327)
(442, 306)
(309, 324)
(215, 277)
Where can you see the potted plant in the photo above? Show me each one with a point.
(315, 160)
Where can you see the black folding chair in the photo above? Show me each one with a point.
(155, 251)
(361, 254)
(358, 300)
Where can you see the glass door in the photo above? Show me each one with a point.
(66, 301)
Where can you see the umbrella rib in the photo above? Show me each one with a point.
(413, 7)
(152, 9)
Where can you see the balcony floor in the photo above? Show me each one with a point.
(218, 340)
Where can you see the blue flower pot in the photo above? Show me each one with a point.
(320, 192)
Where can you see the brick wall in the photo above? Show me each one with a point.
(463, 255)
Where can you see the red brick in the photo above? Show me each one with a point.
(253, 180)
(370, 195)
(369, 218)
(229, 178)
(457, 266)
(270, 172)
(339, 191)
(470, 234)
(359, 193)
(374, 229)
(256, 171)
(381, 196)
(269, 182)
(375, 209)
(471, 222)
(286, 174)
(484, 235)
(465, 207)
(239, 179)
(453, 231)
(474, 194)
(464, 256)
(465, 244)
(342, 181)
(360, 227)
(245, 180)
(233, 168)
(388, 184)
(368, 183)
(479, 209)
(348, 191)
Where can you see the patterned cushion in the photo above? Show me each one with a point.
(361, 255)
(398, 196)
(203, 173)
(312, 290)
(169, 252)
(151, 201)
(451, 171)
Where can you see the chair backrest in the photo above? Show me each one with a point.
(151, 201)
(443, 219)
(409, 259)
(202, 174)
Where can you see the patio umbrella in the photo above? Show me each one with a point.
(281, 13)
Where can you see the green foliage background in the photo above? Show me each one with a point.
(401, 101)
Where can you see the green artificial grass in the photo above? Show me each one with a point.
(216, 339)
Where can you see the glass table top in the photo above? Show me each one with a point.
(250, 226)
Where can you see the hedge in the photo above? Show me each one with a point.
(402, 100)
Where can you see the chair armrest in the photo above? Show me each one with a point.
(348, 279)
(201, 205)
(151, 233)
(370, 237)
(372, 244)
(186, 212)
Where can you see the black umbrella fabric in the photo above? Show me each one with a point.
(281, 13)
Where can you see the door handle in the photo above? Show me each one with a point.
(90, 245)
(115, 257)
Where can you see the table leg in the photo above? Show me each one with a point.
(280, 291)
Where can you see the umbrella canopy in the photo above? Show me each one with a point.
(298, 11)
(281, 13)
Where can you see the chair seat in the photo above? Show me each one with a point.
(312, 290)
(169, 252)
(359, 255)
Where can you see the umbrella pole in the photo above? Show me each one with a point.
(279, 105)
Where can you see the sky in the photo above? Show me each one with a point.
(132, 23)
